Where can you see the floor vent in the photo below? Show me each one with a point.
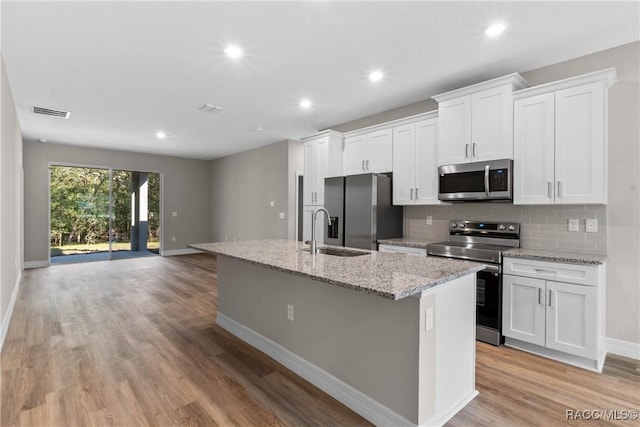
(51, 112)
(213, 109)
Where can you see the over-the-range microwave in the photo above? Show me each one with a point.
(490, 180)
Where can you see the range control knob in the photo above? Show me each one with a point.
(502, 227)
(512, 228)
(461, 225)
(454, 225)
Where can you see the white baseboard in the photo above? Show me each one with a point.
(7, 316)
(623, 348)
(36, 264)
(185, 251)
(359, 402)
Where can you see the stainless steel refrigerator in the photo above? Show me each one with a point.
(361, 211)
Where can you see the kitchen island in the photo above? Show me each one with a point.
(390, 336)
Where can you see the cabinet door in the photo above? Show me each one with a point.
(425, 162)
(306, 224)
(310, 173)
(580, 145)
(533, 150)
(492, 124)
(379, 151)
(523, 309)
(404, 161)
(354, 155)
(572, 314)
(322, 156)
(454, 135)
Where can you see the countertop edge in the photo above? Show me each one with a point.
(387, 295)
(559, 257)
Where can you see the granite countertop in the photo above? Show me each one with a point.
(556, 256)
(407, 242)
(392, 276)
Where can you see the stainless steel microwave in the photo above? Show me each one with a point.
(490, 180)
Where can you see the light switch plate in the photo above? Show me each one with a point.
(429, 220)
(591, 226)
(573, 224)
(281, 215)
(174, 213)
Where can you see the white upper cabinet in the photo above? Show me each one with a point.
(322, 158)
(369, 152)
(476, 122)
(414, 163)
(560, 141)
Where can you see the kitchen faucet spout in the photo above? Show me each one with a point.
(314, 246)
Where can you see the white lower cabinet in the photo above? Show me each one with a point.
(563, 320)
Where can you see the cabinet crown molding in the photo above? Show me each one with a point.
(515, 80)
(393, 123)
(607, 76)
(321, 134)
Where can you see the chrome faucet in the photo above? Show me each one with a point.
(314, 246)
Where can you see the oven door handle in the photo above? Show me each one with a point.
(491, 268)
(486, 180)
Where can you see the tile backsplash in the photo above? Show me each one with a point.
(543, 227)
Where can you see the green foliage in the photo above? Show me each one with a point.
(80, 205)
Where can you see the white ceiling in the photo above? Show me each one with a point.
(127, 69)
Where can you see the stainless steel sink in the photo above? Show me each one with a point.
(339, 252)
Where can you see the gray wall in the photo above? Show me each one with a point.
(618, 223)
(10, 200)
(243, 186)
(185, 190)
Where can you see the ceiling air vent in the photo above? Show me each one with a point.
(51, 112)
(213, 109)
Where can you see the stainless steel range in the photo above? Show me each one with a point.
(485, 242)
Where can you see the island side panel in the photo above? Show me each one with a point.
(366, 341)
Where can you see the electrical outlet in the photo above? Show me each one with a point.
(174, 213)
(429, 220)
(573, 224)
(173, 238)
(591, 226)
(290, 312)
(281, 216)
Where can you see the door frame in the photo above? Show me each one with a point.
(110, 169)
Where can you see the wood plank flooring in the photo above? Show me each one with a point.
(134, 343)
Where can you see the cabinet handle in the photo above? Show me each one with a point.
(363, 165)
(474, 152)
(368, 165)
(416, 194)
(542, 270)
(540, 296)
(466, 150)
(411, 194)
(549, 189)
(315, 196)
(559, 189)
(550, 292)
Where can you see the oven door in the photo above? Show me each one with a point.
(489, 305)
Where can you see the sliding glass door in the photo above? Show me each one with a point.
(103, 214)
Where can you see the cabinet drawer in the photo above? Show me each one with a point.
(402, 250)
(572, 273)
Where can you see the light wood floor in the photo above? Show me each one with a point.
(134, 342)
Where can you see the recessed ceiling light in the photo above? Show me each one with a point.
(495, 30)
(305, 103)
(258, 129)
(233, 51)
(42, 140)
(376, 76)
(161, 135)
